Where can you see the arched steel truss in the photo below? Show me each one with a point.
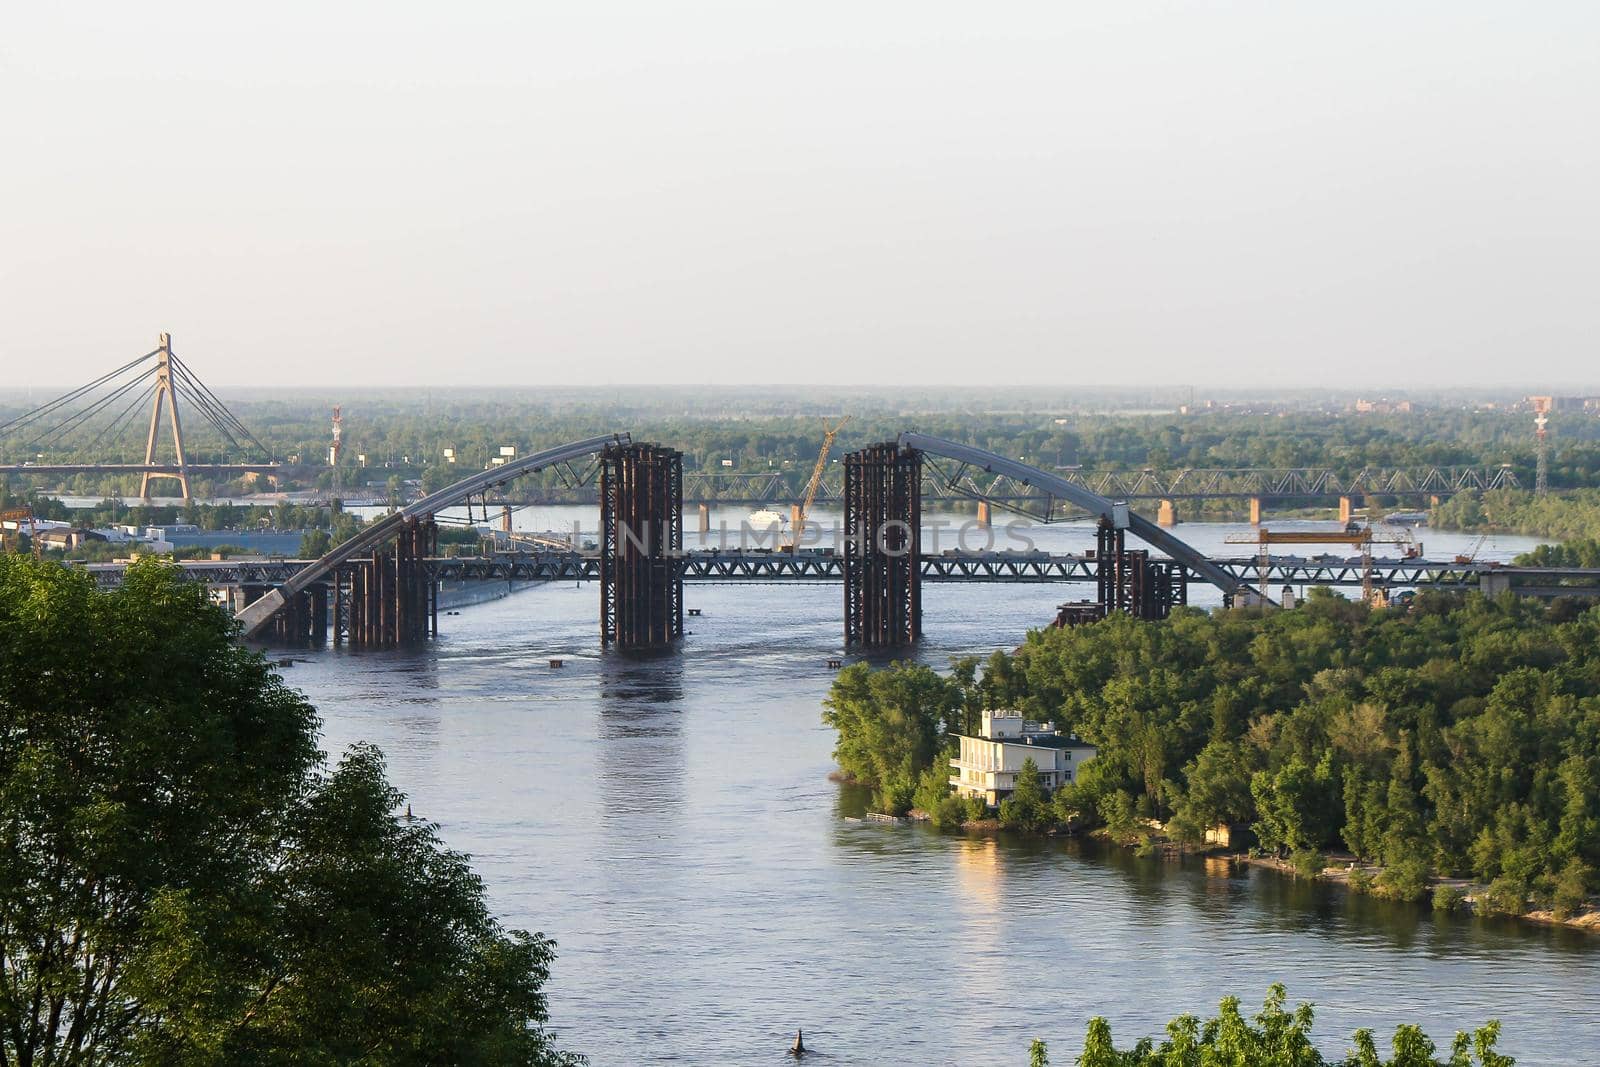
(255, 617)
(1053, 485)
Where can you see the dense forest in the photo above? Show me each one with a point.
(1459, 736)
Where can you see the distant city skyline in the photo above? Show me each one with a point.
(1372, 200)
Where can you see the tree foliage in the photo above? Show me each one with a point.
(184, 884)
(891, 726)
(1459, 736)
(1277, 1037)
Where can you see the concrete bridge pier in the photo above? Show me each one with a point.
(1492, 584)
(705, 518)
(1167, 514)
(1255, 511)
(985, 518)
(1347, 509)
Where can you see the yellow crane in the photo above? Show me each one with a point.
(1361, 537)
(798, 527)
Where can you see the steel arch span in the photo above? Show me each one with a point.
(1055, 485)
(255, 617)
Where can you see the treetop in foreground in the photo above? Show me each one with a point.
(1276, 1037)
(186, 883)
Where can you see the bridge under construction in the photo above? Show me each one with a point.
(381, 588)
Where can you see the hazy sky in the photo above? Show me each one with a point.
(759, 192)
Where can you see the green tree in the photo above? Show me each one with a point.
(1026, 808)
(314, 544)
(1277, 1037)
(1218, 781)
(890, 726)
(183, 886)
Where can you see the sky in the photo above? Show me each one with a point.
(761, 193)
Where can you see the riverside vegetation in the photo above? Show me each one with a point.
(1278, 1038)
(1457, 737)
(1569, 516)
(187, 883)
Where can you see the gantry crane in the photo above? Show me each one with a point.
(797, 528)
(1361, 537)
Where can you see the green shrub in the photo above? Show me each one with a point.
(1406, 880)
(1307, 863)
(948, 814)
(1572, 889)
(1505, 896)
(977, 810)
(893, 797)
(1447, 897)
(933, 787)
(1361, 880)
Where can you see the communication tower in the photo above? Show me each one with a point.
(1541, 419)
(335, 446)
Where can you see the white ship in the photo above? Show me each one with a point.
(765, 519)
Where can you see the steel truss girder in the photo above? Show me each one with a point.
(747, 568)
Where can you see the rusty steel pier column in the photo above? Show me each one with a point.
(883, 546)
(641, 546)
(1130, 582)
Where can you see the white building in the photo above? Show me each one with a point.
(988, 764)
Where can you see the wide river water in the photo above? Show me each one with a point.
(670, 822)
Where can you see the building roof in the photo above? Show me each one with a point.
(1035, 740)
(1045, 741)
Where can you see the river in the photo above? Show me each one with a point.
(670, 822)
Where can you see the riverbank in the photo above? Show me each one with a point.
(1462, 894)
(1341, 869)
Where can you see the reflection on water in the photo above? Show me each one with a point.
(670, 821)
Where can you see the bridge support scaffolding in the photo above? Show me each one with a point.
(641, 528)
(388, 601)
(882, 546)
(1128, 582)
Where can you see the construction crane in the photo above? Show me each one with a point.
(798, 527)
(1472, 553)
(1361, 537)
(17, 515)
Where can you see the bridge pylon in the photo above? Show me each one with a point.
(883, 546)
(164, 394)
(641, 542)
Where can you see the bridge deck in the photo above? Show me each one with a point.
(742, 567)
